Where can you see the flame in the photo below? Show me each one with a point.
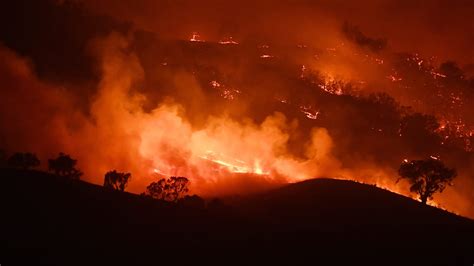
(224, 91)
(195, 37)
(234, 165)
(228, 40)
(309, 112)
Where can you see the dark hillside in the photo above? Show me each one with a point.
(47, 220)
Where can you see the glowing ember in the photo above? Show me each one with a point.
(394, 78)
(227, 41)
(215, 84)
(437, 75)
(332, 86)
(230, 94)
(196, 37)
(309, 112)
(303, 71)
(226, 93)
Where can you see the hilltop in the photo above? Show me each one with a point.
(51, 221)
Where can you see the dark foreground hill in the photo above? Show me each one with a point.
(46, 220)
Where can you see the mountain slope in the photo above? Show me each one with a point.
(52, 221)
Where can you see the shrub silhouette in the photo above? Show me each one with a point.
(426, 176)
(64, 166)
(170, 189)
(116, 180)
(24, 161)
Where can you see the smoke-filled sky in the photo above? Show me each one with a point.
(242, 96)
(439, 28)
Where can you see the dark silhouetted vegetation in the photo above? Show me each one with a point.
(85, 224)
(64, 166)
(354, 34)
(23, 160)
(193, 201)
(170, 189)
(116, 180)
(427, 176)
(217, 205)
(451, 70)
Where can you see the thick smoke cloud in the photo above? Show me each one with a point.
(118, 134)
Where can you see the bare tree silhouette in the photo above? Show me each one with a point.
(116, 180)
(64, 166)
(426, 176)
(23, 160)
(170, 189)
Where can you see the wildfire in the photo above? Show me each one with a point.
(215, 84)
(394, 78)
(437, 75)
(226, 93)
(227, 41)
(309, 112)
(379, 61)
(457, 131)
(331, 86)
(169, 143)
(234, 165)
(196, 37)
(303, 72)
(266, 56)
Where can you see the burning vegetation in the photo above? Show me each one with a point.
(236, 111)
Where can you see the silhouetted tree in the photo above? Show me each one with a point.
(157, 189)
(24, 160)
(426, 176)
(116, 180)
(170, 189)
(64, 166)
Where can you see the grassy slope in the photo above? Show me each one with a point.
(50, 220)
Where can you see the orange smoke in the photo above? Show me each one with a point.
(164, 142)
(222, 155)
